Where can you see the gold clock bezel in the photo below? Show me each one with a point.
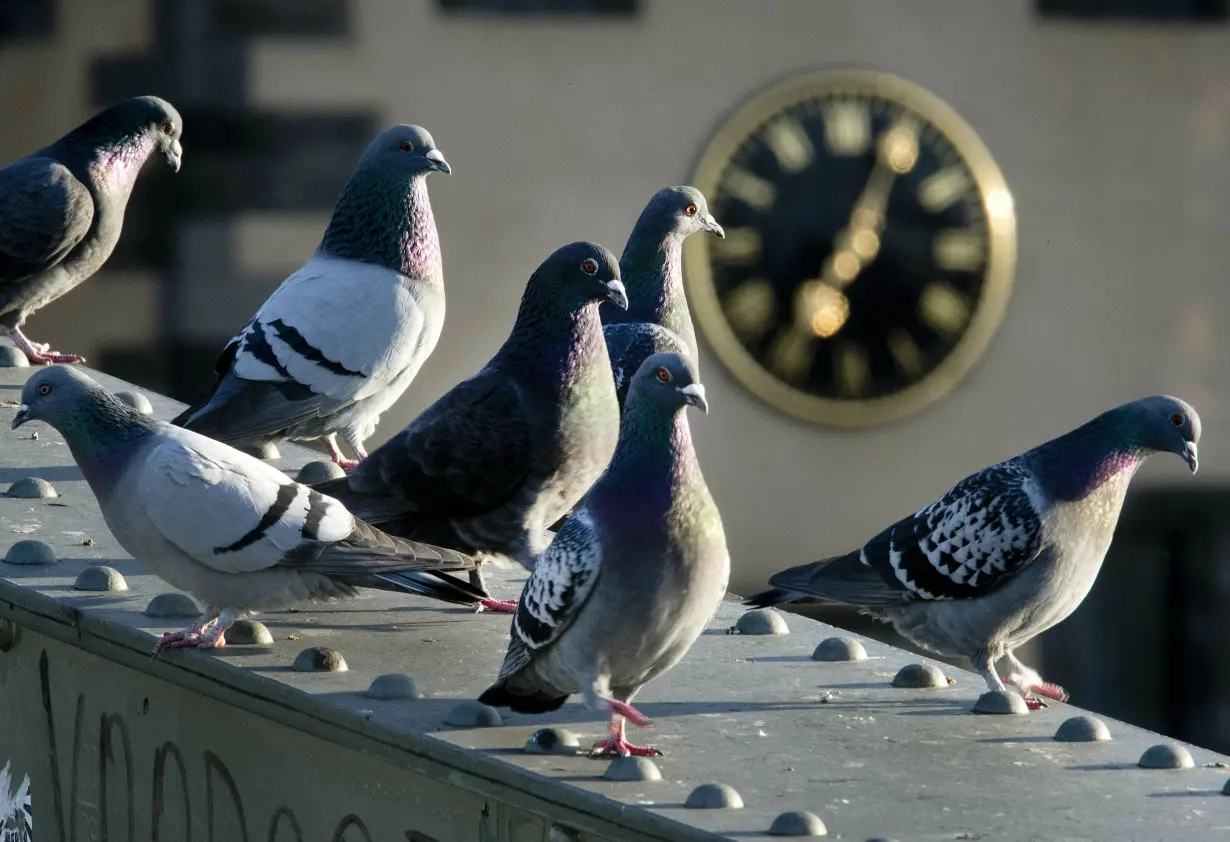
(997, 204)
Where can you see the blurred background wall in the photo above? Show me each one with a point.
(1109, 118)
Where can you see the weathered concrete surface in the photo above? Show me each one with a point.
(310, 749)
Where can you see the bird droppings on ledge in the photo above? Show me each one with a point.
(552, 741)
(100, 578)
(30, 551)
(798, 823)
(10, 357)
(1082, 729)
(137, 401)
(319, 471)
(394, 685)
(318, 659)
(472, 714)
(839, 649)
(714, 796)
(172, 604)
(626, 769)
(1166, 756)
(254, 633)
(919, 677)
(761, 621)
(32, 488)
(1001, 702)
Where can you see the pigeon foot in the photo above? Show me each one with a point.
(40, 353)
(339, 458)
(499, 606)
(215, 638)
(616, 746)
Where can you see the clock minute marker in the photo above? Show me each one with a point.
(907, 356)
(750, 308)
(853, 369)
(847, 128)
(959, 250)
(941, 189)
(790, 145)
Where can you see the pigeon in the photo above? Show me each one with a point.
(508, 451)
(222, 525)
(657, 318)
(633, 578)
(1007, 553)
(62, 208)
(340, 340)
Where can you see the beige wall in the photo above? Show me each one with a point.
(1113, 140)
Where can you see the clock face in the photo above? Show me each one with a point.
(870, 241)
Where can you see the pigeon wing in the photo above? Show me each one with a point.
(44, 212)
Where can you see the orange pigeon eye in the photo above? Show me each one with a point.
(690, 210)
(166, 127)
(664, 375)
(589, 266)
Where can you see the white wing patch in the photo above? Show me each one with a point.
(560, 584)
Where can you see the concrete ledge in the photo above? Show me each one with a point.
(238, 746)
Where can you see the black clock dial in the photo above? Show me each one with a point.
(859, 250)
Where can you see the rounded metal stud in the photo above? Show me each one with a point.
(552, 741)
(32, 488)
(30, 551)
(714, 796)
(1225, 790)
(839, 649)
(919, 676)
(632, 769)
(1082, 729)
(100, 578)
(319, 471)
(10, 357)
(1166, 756)
(394, 685)
(472, 714)
(253, 633)
(319, 659)
(1001, 702)
(172, 605)
(137, 401)
(798, 823)
(761, 621)
(266, 450)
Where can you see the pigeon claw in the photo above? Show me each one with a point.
(499, 606)
(616, 746)
(49, 357)
(1034, 703)
(1051, 691)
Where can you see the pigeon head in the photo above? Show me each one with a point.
(405, 149)
(138, 121)
(1166, 425)
(677, 212)
(670, 380)
(62, 396)
(582, 272)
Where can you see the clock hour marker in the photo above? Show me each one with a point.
(940, 190)
(959, 250)
(905, 351)
(750, 308)
(847, 127)
(943, 308)
(742, 245)
(790, 355)
(853, 369)
(750, 189)
(790, 144)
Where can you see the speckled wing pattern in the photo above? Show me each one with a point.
(983, 531)
(629, 345)
(557, 589)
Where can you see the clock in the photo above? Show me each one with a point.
(869, 250)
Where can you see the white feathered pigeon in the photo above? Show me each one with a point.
(1007, 553)
(632, 578)
(220, 524)
(342, 338)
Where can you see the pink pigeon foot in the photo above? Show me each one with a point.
(339, 458)
(499, 606)
(40, 353)
(215, 638)
(615, 744)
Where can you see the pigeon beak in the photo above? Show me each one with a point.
(617, 293)
(437, 161)
(1189, 455)
(694, 395)
(175, 155)
(711, 224)
(22, 415)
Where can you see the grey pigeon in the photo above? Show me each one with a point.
(1007, 553)
(631, 580)
(503, 454)
(62, 208)
(340, 340)
(657, 318)
(220, 524)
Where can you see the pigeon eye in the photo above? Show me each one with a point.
(406, 146)
(44, 389)
(589, 266)
(1177, 419)
(690, 210)
(664, 375)
(166, 127)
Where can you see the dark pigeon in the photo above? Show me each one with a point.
(62, 208)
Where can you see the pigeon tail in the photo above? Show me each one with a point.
(845, 579)
(500, 695)
(771, 597)
(432, 584)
